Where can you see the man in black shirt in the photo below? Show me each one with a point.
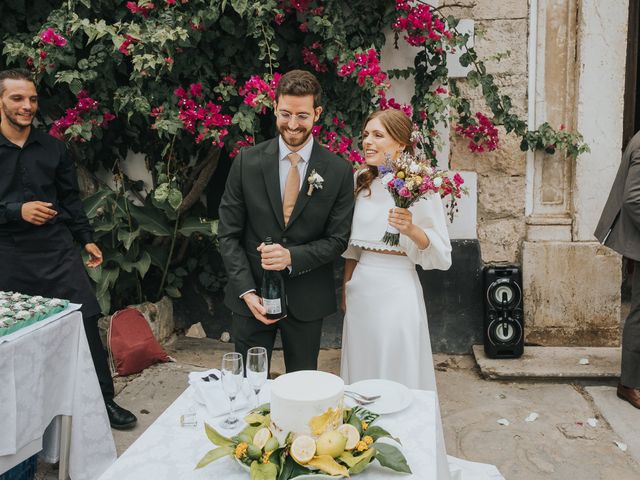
(40, 217)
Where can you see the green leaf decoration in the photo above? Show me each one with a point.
(290, 468)
(390, 457)
(364, 414)
(263, 471)
(363, 461)
(356, 422)
(216, 438)
(214, 455)
(349, 459)
(257, 419)
(377, 432)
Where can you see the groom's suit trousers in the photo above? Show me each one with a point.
(300, 339)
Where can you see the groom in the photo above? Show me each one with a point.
(269, 194)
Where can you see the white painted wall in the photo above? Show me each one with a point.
(602, 46)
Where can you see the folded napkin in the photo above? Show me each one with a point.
(212, 396)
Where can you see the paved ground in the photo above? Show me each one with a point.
(559, 444)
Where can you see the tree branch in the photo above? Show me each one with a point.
(210, 166)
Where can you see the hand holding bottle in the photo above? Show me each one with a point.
(254, 302)
(274, 256)
(272, 291)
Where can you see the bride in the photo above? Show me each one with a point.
(382, 296)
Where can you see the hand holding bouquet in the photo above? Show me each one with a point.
(411, 177)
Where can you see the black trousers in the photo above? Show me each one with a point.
(99, 356)
(300, 340)
(630, 376)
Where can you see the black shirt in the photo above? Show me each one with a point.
(40, 170)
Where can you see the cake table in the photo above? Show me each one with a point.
(167, 451)
(46, 371)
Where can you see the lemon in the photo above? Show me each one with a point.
(352, 435)
(271, 444)
(243, 437)
(303, 449)
(254, 452)
(261, 437)
(331, 443)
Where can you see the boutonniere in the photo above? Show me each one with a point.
(315, 182)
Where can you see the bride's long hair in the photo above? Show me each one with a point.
(399, 127)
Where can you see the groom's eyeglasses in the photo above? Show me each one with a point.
(286, 116)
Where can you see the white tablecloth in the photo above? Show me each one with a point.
(167, 451)
(49, 372)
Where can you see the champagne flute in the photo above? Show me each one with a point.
(232, 376)
(257, 369)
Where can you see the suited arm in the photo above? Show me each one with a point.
(232, 213)
(336, 233)
(631, 197)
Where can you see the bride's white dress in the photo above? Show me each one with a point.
(386, 313)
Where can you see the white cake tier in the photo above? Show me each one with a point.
(298, 397)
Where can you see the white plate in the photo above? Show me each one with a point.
(394, 396)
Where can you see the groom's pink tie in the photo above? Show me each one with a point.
(291, 187)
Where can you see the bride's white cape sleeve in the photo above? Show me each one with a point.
(428, 214)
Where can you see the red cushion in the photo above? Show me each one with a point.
(132, 344)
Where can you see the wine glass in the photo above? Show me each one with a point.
(232, 376)
(257, 369)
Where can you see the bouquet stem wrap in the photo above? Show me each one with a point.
(391, 236)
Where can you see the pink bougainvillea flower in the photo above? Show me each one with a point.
(80, 113)
(143, 9)
(51, 37)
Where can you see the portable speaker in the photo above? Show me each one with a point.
(503, 314)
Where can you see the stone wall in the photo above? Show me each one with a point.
(539, 210)
(499, 27)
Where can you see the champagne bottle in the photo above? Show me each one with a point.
(272, 292)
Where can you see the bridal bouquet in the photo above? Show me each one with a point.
(411, 177)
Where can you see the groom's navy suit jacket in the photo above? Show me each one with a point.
(316, 235)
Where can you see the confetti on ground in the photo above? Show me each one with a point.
(592, 422)
(533, 416)
(503, 421)
(621, 446)
(584, 361)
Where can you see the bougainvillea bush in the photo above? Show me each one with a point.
(188, 83)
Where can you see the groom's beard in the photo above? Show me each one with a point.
(297, 140)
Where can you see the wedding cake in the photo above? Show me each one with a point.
(307, 402)
(18, 310)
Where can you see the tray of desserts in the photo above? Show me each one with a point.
(18, 310)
